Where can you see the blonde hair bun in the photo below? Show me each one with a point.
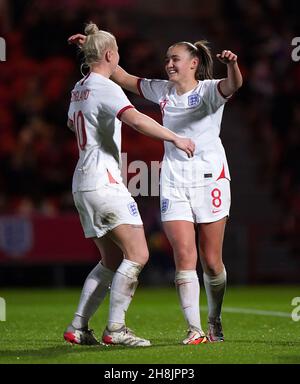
(91, 29)
(96, 43)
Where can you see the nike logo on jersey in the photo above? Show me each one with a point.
(216, 210)
(162, 105)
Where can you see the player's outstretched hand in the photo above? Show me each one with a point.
(77, 39)
(185, 144)
(227, 57)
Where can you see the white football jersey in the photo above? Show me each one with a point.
(95, 108)
(196, 114)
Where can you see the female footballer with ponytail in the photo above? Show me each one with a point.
(195, 192)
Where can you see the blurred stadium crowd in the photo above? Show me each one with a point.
(37, 151)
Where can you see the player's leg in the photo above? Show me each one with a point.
(98, 281)
(95, 288)
(131, 240)
(211, 237)
(181, 235)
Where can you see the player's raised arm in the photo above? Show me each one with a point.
(149, 127)
(234, 78)
(77, 39)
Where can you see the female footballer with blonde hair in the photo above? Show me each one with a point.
(107, 211)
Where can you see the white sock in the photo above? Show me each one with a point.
(93, 293)
(188, 289)
(122, 290)
(215, 288)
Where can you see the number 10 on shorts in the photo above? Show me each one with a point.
(2, 309)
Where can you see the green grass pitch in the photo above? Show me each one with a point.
(257, 326)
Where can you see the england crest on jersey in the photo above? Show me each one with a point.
(193, 100)
(133, 209)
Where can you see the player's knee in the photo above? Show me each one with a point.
(139, 255)
(185, 258)
(144, 256)
(213, 268)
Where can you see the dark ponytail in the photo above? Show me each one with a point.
(205, 67)
(201, 50)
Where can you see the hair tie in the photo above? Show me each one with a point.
(192, 45)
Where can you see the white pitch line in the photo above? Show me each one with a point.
(251, 311)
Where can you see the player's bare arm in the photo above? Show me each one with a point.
(125, 80)
(149, 127)
(77, 39)
(234, 78)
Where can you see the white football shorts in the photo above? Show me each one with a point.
(102, 210)
(199, 205)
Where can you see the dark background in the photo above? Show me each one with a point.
(260, 132)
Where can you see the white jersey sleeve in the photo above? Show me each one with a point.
(71, 117)
(71, 112)
(116, 103)
(212, 94)
(153, 90)
(71, 108)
